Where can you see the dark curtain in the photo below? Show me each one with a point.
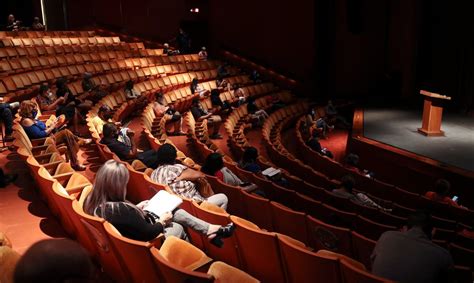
(446, 52)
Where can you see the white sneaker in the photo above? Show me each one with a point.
(14, 105)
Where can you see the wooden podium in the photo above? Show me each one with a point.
(432, 114)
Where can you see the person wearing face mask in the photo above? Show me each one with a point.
(110, 138)
(36, 129)
(46, 99)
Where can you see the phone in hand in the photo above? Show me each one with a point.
(455, 198)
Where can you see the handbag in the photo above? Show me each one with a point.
(204, 188)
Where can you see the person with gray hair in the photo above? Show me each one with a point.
(108, 200)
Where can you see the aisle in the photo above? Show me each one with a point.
(24, 217)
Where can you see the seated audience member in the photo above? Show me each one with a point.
(6, 179)
(352, 163)
(255, 77)
(168, 51)
(55, 260)
(218, 105)
(203, 54)
(200, 114)
(238, 93)
(161, 108)
(214, 166)
(222, 71)
(333, 114)
(37, 25)
(322, 125)
(6, 116)
(222, 84)
(275, 102)
(36, 129)
(345, 191)
(411, 256)
(12, 24)
(46, 99)
(181, 179)
(110, 138)
(314, 144)
(441, 193)
(249, 160)
(104, 116)
(107, 200)
(196, 88)
(96, 92)
(256, 113)
(64, 91)
(131, 93)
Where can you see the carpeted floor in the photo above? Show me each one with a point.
(398, 128)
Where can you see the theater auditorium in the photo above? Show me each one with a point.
(236, 141)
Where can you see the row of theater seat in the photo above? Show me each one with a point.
(130, 48)
(139, 192)
(61, 41)
(24, 64)
(115, 72)
(40, 34)
(356, 218)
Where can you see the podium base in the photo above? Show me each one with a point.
(430, 133)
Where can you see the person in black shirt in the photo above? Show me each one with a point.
(314, 144)
(126, 152)
(217, 102)
(184, 42)
(107, 200)
(255, 113)
(12, 24)
(200, 114)
(96, 92)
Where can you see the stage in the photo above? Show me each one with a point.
(398, 128)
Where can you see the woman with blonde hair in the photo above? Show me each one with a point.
(36, 129)
(108, 200)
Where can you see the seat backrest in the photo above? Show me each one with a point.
(258, 210)
(302, 265)
(228, 252)
(174, 273)
(289, 222)
(223, 272)
(362, 248)
(135, 254)
(110, 260)
(259, 252)
(462, 256)
(183, 254)
(352, 274)
(328, 237)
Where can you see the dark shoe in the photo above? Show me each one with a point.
(78, 167)
(222, 233)
(179, 133)
(7, 179)
(216, 137)
(8, 138)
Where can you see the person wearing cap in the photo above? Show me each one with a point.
(202, 54)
